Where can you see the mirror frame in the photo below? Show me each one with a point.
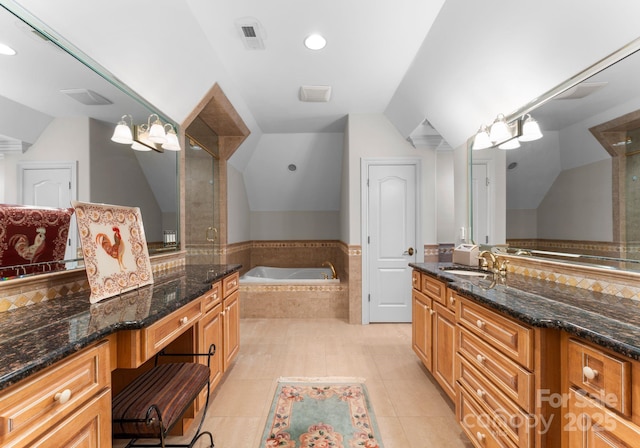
(618, 55)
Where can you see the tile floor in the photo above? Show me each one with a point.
(410, 409)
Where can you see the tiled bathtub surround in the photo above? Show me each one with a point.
(294, 301)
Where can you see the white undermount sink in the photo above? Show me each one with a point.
(468, 273)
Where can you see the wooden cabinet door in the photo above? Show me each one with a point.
(231, 328)
(210, 332)
(421, 328)
(444, 348)
(88, 427)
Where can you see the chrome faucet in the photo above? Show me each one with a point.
(333, 269)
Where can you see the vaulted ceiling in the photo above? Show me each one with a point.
(456, 63)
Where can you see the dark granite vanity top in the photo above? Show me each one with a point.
(605, 319)
(36, 336)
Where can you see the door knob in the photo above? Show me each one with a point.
(409, 251)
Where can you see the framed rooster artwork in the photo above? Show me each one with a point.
(114, 248)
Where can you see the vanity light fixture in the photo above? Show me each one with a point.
(530, 129)
(147, 136)
(506, 135)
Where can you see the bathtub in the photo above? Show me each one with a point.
(271, 275)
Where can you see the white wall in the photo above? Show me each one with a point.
(295, 225)
(445, 185)
(522, 223)
(238, 213)
(567, 212)
(313, 186)
(64, 140)
(373, 136)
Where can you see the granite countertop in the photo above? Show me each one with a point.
(36, 336)
(605, 319)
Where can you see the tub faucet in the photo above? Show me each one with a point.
(330, 266)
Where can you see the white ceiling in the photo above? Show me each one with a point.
(456, 63)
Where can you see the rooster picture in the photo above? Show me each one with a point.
(115, 249)
(30, 253)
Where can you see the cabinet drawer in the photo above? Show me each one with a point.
(435, 289)
(506, 415)
(481, 432)
(601, 375)
(213, 296)
(230, 284)
(158, 335)
(590, 424)
(416, 280)
(39, 402)
(516, 382)
(510, 337)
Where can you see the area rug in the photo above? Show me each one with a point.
(320, 413)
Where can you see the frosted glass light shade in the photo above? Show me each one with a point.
(122, 133)
(172, 143)
(482, 140)
(499, 130)
(156, 133)
(530, 130)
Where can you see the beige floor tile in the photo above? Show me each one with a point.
(379, 397)
(412, 398)
(392, 432)
(440, 432)
(235, 432)
(352, 365)
(400, 367)
(241, 398)
(410, 408)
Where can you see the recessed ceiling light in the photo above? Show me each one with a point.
(315, 42)
(6, 50)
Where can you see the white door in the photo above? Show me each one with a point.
(50, 185)
(480, 203)
(391, 241)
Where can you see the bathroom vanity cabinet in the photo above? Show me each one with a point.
(434, 329)
(488, 363)
(66, 401)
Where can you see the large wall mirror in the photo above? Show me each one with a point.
(51, 119)
(575, 194)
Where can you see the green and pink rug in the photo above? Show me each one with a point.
(320, 414)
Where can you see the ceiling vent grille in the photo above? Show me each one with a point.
(87, 97)
(315, 94)
(251, 34)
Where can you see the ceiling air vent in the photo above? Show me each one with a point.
(87, 97)
(315, 94)
(251, 34)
